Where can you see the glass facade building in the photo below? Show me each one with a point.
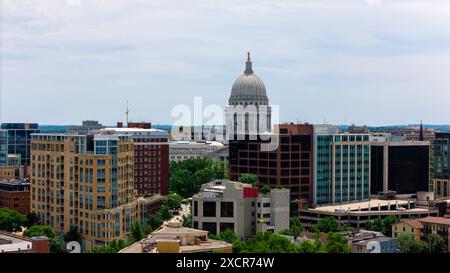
(342, 168)
(3, 148)
(19, 137)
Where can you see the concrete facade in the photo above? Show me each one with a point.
(223, 204)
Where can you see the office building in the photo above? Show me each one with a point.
(442, 165)
(86, 181)
(341, 166)
(400, 166)
(151, 159)
(3, 148)
(19, 137)
(172, 237)
(85, 128)
(182, 150)
(15, 195)
(223, 204)
(288, 164)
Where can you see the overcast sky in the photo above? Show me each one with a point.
(369, 62)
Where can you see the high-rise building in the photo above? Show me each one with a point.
(289, 165)
(248, 110)
(442, 165)
(400, 166)
(85, 128)
(3, 148)
(341, 166)
(86, 181)
(151, 159)
(223, 204)
(19, 137)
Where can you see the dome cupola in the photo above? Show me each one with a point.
(248, 89)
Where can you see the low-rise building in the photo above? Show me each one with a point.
(182, 150)
(366, 241)
(15, 194)
(12, 243)
(409, 226)
(224, 204)
(437, 225)
(173, 238)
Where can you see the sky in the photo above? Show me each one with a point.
(367, 62)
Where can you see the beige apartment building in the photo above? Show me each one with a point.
(86, 181)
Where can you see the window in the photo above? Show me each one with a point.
(195, 208)
(210, 226)
(226, 209)
(225, 226)
(209, 209)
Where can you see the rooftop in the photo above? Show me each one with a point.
(435, 220)
(413, 222)
(354, 207)
(13, 243)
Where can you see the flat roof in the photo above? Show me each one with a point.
(373, 203)
(15, 244)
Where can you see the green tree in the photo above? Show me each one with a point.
(336, 243)
(228, 236)
(40, 230)
(435, 243)
(154, 221)
(249, 178)
(383, 225)
(267, 242)
(407, 244)
(11, 220)
(187, 176)
(327, 224)
(265, 189)
(73, 235)
(137, 232)
(165, 212)
(174, 201)
(113, 247)
(49, 232)
(31, 219)
(187, 220)
(295, 227)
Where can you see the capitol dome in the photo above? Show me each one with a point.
(248, 89)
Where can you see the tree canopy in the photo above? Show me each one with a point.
(11, 220)
(187, 176)
(383, 225)
(47, 231)
(407, 244)
(295, 227)
(249, 178)
(327, 224)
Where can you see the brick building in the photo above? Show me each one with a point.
(15, 194)
(289, 165)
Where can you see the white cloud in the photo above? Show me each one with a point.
(344, 55)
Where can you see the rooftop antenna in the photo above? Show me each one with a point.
(127, 112)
